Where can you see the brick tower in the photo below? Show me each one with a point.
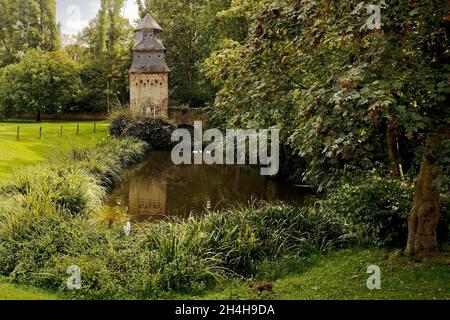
(149, 73)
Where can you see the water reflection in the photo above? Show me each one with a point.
(157, 188)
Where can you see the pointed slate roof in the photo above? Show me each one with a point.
(148, 23)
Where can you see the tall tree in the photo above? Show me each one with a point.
(104, 51)
(40, 82)
(347, 95)
(27, 25)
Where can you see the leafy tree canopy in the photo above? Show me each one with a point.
(40, 82)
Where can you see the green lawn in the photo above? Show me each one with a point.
(12, 292)
(342, 275)
(31, 149)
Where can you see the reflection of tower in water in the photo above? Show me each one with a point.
(157, 188)
(147, 196)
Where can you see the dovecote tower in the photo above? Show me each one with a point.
(149, 73)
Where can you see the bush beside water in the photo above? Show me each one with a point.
(376, 208)
(156, 133)
(185, 256)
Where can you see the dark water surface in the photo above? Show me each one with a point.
(157, 188)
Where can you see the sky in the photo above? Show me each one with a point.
(74, 15)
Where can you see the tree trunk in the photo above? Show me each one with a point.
(426, 209)
(394, 157)
(38, 117)
(424, 216)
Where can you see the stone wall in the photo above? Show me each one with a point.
(149, 94)
(187, 116)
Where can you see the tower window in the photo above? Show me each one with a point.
(150, 112)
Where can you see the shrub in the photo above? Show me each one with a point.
(156, 132)
(376, 208)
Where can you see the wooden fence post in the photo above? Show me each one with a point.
(95, 127)
(18, 132)
(78, 128)
(61, 131)
(40, 132)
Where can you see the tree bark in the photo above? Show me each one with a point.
(426, 209)
(424, 216)
(38, 117)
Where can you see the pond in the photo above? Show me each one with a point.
(156, 189)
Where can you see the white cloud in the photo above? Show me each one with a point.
(131, 11)
(74, 15)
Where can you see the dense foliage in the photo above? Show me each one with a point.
(376, 208)
(39, 242)
(337, 90)
(26, 25)
(156, 133)
(51, 218)
(40, 82)
(103, 49)
(344, 94)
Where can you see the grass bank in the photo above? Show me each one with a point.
(30, 149)
(342, 275)
(338, 275)
(10, 291)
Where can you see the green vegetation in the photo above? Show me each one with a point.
(338, 275)
(10, 291)
(157, 133)
(30, 149)
(370, 104)
(27, 25)
(55, 86)
(52, 219)
(156, 259)
(342, 275)
(196, 28)
(346, 97)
